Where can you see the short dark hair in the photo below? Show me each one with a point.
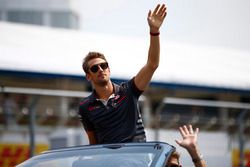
(90, 56)
(175, 155)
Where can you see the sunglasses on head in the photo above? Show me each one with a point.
(95, 67)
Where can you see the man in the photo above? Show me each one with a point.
(111, 114)
(189, 142)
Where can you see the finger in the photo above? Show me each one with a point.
(156, 9)
(161, 10)
(161, 7)
(185, 129)
(191, 129)
(149, 13)
(182, 132)
(196, 131)
(164, 12)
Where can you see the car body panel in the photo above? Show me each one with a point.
(150, 154)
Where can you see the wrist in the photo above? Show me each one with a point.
(154, 33)
(154, 30)
(195, 154)
(197, 159)
(193, 151)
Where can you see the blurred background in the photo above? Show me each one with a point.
(203, 77)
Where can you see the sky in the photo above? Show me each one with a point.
(223, 23)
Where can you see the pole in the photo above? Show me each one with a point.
(32, 123)
(241, 136)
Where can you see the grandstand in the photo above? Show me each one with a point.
(44, 58)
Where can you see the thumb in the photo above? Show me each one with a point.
(178, 142)
(149, 13)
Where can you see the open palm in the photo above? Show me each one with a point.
(189, 137)
(156, 18)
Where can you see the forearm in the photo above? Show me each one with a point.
(195, 154)
(154, 50)
(91, 137)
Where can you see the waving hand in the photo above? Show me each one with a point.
(156, 18)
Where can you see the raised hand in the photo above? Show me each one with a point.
(189, 137)
(156, 18)
(189, 142)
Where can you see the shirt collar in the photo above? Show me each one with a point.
(116, 87)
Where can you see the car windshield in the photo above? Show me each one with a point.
(109, 160)
(97, 157)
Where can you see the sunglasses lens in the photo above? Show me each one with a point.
(104, 66)
(95, 68)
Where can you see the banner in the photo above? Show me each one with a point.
(12, 154)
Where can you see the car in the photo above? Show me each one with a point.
(148, 154)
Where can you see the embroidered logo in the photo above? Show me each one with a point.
(117, 97)
(91, 108)
(116, 100)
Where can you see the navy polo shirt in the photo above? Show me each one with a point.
(118, 121)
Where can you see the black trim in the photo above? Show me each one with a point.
(26, 74)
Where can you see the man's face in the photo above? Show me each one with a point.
(99, 72)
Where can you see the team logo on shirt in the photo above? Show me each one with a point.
(117, 97)
(91, 108)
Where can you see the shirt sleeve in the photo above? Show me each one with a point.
(137, 92)
(88, 126)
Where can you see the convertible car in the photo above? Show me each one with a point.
(148, 154)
